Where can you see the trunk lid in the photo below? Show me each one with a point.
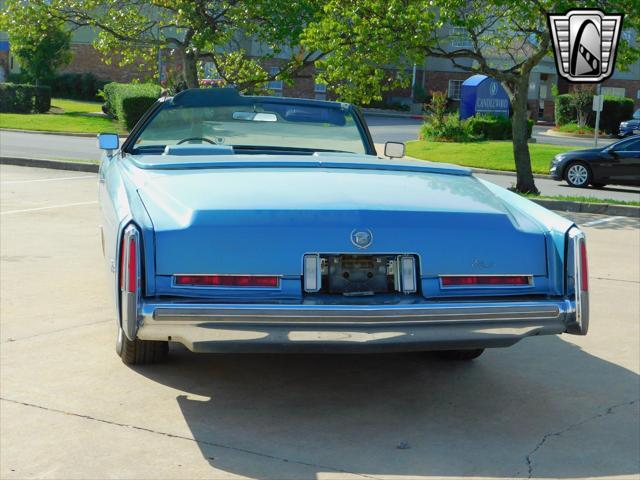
(257, 220)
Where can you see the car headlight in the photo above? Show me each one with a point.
(624, 124)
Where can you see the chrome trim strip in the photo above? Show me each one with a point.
(357, 315)
(131, 300)
(577, 238)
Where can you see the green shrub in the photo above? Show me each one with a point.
(490, 127)
(42, 99)
(450, 129)
(16, 98)
(565, 111)
(22, 98)
(614, 111)
(134, 107)
(78, 86)
(128, 102)
(17, 77)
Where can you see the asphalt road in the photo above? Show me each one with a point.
(61, 147)
(548, 407)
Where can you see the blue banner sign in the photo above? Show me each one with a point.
(480, 94)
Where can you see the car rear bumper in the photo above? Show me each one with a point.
(352, 328)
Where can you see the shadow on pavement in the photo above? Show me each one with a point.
(511, 413)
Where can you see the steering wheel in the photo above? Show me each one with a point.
(195, 138)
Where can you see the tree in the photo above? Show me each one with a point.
(582, 101)
(42, 48)
(217, 31)
(499, 38)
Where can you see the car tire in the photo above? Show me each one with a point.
(140, 352)
(460, 355)
(578, 175)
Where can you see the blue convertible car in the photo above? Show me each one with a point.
(234, 223)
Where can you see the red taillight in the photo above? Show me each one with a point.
(584, 272)
(227, 280)
(493, 280)
(132, 267)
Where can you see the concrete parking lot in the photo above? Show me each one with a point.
(548, 407)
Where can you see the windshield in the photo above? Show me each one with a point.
(254, 123)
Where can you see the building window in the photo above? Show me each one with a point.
(460, 38)
(320, 91)
(638, 94)
(275, 85)
(454, 89)
(613, 91)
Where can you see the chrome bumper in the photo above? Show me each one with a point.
(325, 327)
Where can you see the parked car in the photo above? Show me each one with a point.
(630, 127)
(618, 163)
(238, 223)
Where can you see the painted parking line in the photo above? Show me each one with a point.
(12, 182)
(602, 220)
(11, 212)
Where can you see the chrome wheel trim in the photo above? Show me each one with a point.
(577, 174)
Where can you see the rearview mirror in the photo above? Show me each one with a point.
(394, 149)
(108, 142)
(255, 116)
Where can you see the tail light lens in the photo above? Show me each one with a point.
(265, 281)
(486, 280)
(132, 266)
(129, 260)
(584, 270)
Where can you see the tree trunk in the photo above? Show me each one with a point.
(190, 69)
(520, 132)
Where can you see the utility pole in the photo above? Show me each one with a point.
(413, 83)
(599, 109)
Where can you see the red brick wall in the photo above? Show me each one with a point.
(439, 81)
(87, 59)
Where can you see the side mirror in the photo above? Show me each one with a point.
(108, 142)
(394, 149)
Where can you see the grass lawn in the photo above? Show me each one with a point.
(576, 198)
(65, 116)
(575, 128)
(494, 155)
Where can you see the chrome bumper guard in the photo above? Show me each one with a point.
(322, 327)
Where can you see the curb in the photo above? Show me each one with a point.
(552, 133)
(558, 205)
(506, 172)
(63, 134)
(53, 164)
(580, 207)
(378, 113)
